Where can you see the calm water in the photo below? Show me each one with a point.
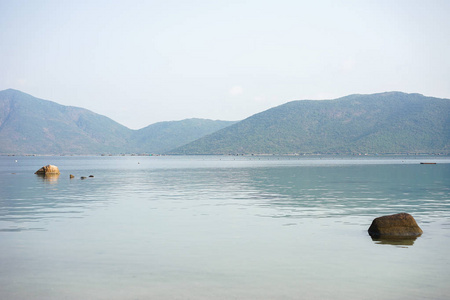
(221, 228)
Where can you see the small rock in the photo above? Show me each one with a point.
(71, 176)
(394, 226)
(91, 176)
(48, 169)
(83, 177)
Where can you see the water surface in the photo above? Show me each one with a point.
(221, 227)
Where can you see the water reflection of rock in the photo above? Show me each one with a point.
(404, 241)
(49, 178)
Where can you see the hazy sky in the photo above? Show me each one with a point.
(141, 62)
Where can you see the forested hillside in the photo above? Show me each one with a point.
(382, 123)
(29, 125)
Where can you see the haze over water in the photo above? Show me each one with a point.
(221, 227)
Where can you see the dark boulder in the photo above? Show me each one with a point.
(395, 226)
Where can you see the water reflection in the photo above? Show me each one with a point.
(49, 178)
(399, 241)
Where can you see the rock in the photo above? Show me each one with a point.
(91, 176)
(83, 177)
(49, 169)
(395, 226)
(71, 176)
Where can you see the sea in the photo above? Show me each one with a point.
(222, 227)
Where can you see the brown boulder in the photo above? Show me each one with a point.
(48, 169)
(395, 226)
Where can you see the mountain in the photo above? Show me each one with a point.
(382, 123)
(392, 122)
(32, 125)
(164, 136)
(29, 125)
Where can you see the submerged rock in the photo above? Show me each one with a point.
(83, 177)
(91, 176)
(48, 169)
(395, 226)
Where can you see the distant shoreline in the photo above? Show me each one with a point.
(250, 155)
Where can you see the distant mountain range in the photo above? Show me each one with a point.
(29, 125)
(384, 123)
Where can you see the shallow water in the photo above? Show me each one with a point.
(221, 227)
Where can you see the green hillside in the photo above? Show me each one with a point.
(383, 123)
(29, 125)
(164, 136)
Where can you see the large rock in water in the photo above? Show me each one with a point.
(395, 226)
(48, 169)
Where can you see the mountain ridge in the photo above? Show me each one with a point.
(389, 122)
(29, 125)
(381, 123)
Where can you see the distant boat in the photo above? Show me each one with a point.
(427, 163)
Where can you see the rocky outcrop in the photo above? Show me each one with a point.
(400, 225)
(48, 169)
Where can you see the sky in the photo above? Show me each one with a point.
(142, 62)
